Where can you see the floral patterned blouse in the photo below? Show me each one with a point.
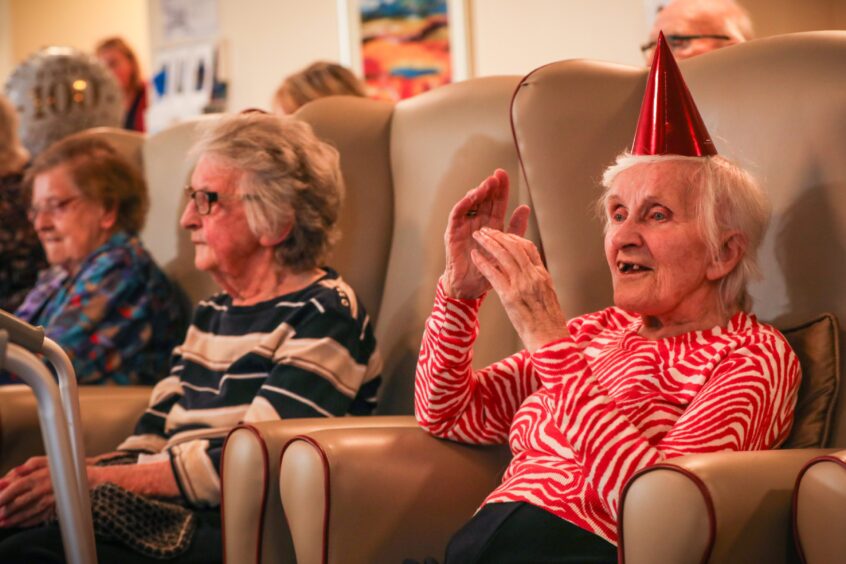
(21, 255)
(118, 317)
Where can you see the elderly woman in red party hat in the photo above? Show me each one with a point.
(677, 366)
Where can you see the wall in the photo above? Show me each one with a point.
(516, 36)
(775, 17)
(38, 23)
(5, 40)
(268, 39)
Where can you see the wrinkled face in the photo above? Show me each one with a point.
(69, 225)
(682, 18)
(658, 258)
(224, 245)
(119, 64)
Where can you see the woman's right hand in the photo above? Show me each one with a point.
(483, 206)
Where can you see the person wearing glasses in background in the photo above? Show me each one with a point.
(694, 27)
(286, 338)
(103, 298)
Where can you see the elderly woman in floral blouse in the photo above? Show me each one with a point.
(103, 299)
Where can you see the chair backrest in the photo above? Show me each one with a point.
(360, 129)
(442, 143)
(776, 106)
(128, 143)
(167, 170)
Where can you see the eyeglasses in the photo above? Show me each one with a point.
(52, 207)
(203, 199)
(679, 42)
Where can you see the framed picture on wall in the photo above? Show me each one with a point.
(405, 47)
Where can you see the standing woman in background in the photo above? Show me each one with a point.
(116, 54)
(21, 255)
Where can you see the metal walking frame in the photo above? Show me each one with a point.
(58, 415)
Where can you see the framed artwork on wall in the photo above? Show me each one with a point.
(405, 47)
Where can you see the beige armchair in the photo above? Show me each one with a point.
(108, 414)
(775, 105)
(404, 166)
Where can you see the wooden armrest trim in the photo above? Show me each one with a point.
(697, 481)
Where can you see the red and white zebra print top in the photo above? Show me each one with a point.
(584, 413)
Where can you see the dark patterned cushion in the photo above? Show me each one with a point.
(816, 345)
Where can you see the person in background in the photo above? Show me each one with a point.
(119, 57)
(315, 81)
(21, 255)
(103, 299)
(694, 27)
(287, 337)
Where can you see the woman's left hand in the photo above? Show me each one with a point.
(26, 494)
(514, 268)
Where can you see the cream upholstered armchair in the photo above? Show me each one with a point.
(770, 105)
(404, 166)
(776, 106)
(108, 413)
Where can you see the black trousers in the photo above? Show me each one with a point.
(43, 545)
(519, 532)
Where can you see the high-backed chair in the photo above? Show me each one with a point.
(167, 169)
(769, 105)
(775, 106)
(108, 414)
(429, 150)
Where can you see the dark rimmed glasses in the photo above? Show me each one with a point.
(203, 199)
(679, 42)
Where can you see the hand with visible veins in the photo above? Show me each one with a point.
(514, 269)
(483, 206)
(26, 492)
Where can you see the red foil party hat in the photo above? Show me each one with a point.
(669, 123)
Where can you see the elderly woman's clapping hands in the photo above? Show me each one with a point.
(483, 206)
(483, 254)
(514, 269)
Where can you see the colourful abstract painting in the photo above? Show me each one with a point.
(405, 46)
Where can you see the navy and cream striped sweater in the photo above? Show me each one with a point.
(310, 353)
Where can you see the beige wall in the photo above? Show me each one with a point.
(268, 39)
(5, 41)
(775, 17)
(77, 23)
(272, 39)
(515, 36)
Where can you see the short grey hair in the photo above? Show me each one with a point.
(289, 178)
(729, 199)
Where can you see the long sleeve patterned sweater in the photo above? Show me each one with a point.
(309, 353)
(583, 414)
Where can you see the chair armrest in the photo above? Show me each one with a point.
(382, 495)
(820, 509)
(719, 507)
(254, 527)
(109, 415)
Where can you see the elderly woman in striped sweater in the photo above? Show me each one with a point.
(286, 338)
(677, 366)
